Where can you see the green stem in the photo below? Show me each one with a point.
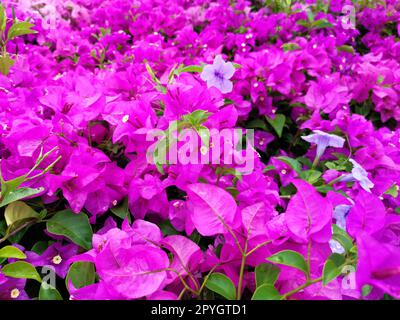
(258, 247)
(241, 273)
(303, 286)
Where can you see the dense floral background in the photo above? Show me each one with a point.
(84, 215)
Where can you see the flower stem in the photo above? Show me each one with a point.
(241, 273)
(303, 286)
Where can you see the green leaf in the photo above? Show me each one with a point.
(48, 292)
(345, 48)
(222, 285)
(310, 176)
(122, 210)
(290, 258)
(332, 267)
(81, 274)
(192, 69)
(19, 29)
(366, 290)
(19, 194)
(18, 211)
(266, 273)
(39, 247)
(11, 252)
(322, 23)
(303, 23)
(290, 47)
(393, 191)
(277, 123)
(237, 65)
(293, 163)
(5, 64)
(257, 124)
(21, 270)
(196, 118)
(342, 237)
(3, 18)
(266, 292)
(74, 226)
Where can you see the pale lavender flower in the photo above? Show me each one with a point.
(324, 140)
(340, 214)
(358, 173)
(218, 74)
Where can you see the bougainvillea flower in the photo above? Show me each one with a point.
(378, 265)
(12, 288)
(212, 208)
(134, 272)
(218, 74)
(309, 215)
(56, 255)
(366, 216)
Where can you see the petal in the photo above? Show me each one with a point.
(207, 73)
(227, 70)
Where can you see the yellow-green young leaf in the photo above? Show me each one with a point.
(81, 274)
(11, 252)
(19, 29)
(19, 194)
(290, 46)
(277, 123)
(48, 292)
(393, 191)
(5, 64)
(21, 270)
(17, 211)
(266, 292)
(332, 267)
(266, 273)
(192, 69)
(222, 285)
(3, 18)
(74, 226)
(290, 258)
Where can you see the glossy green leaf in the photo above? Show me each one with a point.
(266, 273)
(290, 258)
(48, 292)
(22, 270)
(342, 237)
(19, 29)
(81, 274)
(19, 194)
(74, 226)
(332, 267)
(266, 292)
(277, 123)
(222, 285)
(11, 252)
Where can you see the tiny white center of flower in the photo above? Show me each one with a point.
(57, 259)
(125, 118)
(15, 293)
(283, 171)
